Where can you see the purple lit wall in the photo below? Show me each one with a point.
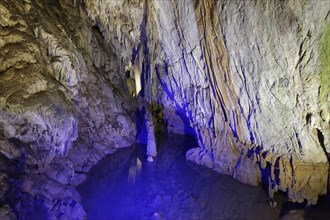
(248, 80)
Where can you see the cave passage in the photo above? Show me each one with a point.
(82, 79)
(124, 185)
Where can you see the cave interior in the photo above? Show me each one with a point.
(164, 109)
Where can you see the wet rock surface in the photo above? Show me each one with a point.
(63, 106)
(249, 79)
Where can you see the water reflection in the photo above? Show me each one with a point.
(125, 186)
(134, 169)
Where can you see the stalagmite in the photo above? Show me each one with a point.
(249, 80)
(151, 142)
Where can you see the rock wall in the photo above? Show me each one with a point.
(63, 106)
(250, 79)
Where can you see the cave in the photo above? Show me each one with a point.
(164, 109)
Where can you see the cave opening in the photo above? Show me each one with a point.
(133, 79)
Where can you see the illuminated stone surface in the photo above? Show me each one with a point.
(249, 79)
(63, 105)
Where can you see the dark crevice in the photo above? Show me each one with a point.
(321, 138)
(223, 109)
(277, 171)
(321, 141)
(98, 33)
(144, 45)
(308, 118)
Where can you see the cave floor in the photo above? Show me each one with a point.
(124, 186)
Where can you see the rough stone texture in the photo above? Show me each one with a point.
(63, 106)
(251, 77)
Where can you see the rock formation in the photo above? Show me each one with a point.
(63, 105)
(249, 79)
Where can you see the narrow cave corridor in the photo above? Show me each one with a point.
(164, 109)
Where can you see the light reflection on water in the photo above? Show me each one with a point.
(125, 186)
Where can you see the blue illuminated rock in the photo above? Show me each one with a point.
(249, 79)
(63, 105)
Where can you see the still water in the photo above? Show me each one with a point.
(125, 186)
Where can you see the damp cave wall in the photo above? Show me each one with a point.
(249, 79)
(64, 105)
